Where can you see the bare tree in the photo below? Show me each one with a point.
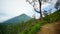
(37, 9)
(37, 6)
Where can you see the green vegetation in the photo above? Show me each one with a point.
(48, 19)
(52, 17)
(30, 27)
(17, 27)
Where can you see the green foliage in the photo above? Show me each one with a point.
(45, 13)
(57, 5)
(52, 17)
(16, 28)
(34, 29)
(30, 27)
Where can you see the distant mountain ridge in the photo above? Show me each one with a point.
(18, 19)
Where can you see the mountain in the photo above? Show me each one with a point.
(18, 19)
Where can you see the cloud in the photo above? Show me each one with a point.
(13, 8)
(2, 19)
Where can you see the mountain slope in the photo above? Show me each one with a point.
(54, 26)
(46, 26)
(53, 17)
(18, 19)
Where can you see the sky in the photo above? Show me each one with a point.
(13, 8)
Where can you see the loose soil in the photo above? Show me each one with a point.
(53, 28)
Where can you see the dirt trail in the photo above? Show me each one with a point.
(53, 28)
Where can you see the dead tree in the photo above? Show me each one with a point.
(37, 9)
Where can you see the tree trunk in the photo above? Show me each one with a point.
(40, 3)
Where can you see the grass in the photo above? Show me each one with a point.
(32, 29)
(32, 26)
(48, 19)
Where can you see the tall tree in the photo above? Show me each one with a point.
(45, 13)
(49, 11)
(36, 7)
(57, 5)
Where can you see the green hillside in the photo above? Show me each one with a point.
(30, 27)
(53, 17)
(48, 19)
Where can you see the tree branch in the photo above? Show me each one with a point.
(37, 10)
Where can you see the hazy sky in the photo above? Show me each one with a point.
(12, 8)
